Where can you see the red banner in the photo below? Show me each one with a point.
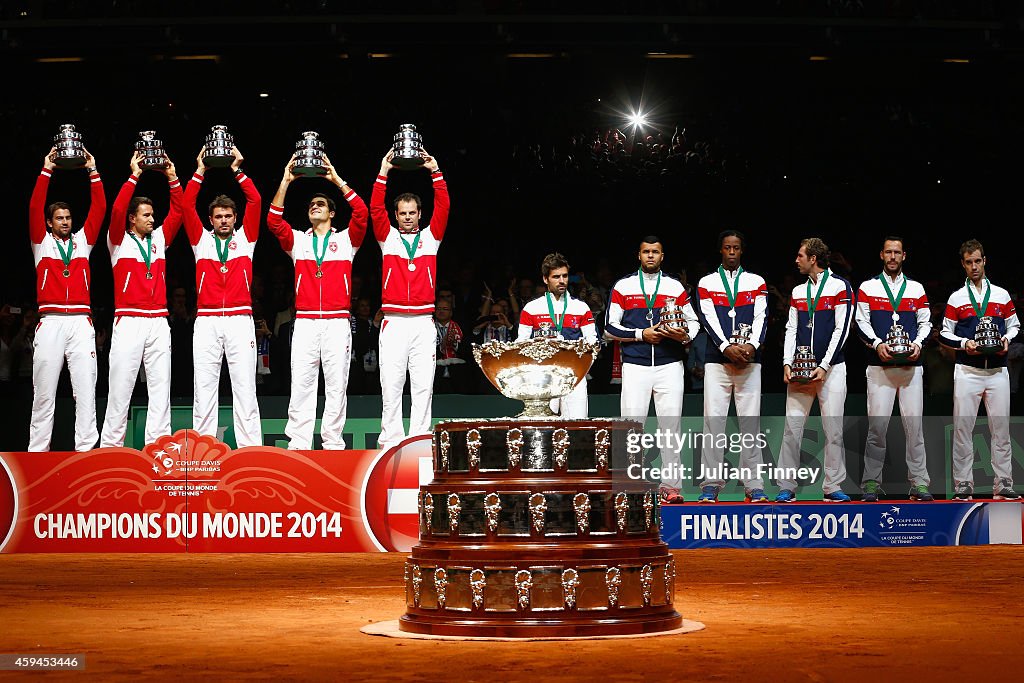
(192, 493)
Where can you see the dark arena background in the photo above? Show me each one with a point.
(575, 127)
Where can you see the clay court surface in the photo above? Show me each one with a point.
(783, 615)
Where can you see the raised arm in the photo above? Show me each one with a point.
(119, 212)
(97, 202)
(173, 221)
(253, 201)
(275, 217)
(439, 219)
(378, 209)
(357, 222)
(37, 204)
(193, 223)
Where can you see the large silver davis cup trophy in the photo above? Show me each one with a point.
(536, 370)
(741, 335)
(151, 149)
(672, 315)
(69, 152)
(898, 341)
(408, 145)
(987, 336)
(309, 155)
(803, 366)
(219, 143)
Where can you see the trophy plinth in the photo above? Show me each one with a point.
(152, 150)
(987, 336)
(219, 143)
(69, 152)
(309, 155)
(408, 145)
(898, 341)
(672, 315)
(536, 370)
(741, 335)
(804, 365)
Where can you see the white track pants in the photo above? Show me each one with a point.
(665, 384)
(831, 396)
(407, 343)
(316, 343)
(574, 405)
(215, 337)
(970, 386)
(60, 337)
(884, 385)
(722, 382)
(138, 341)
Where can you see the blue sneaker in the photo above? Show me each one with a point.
(708, 494)
(756, 496)
(786, 496)
(836, 497)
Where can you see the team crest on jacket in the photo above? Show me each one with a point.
(233, 245)
(333, 246)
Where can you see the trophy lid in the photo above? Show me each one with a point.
(218, 127)
(311, 135)
(407, 127)
(147, 134)
(67, 127)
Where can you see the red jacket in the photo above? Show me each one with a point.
(329, 296)
(220, 293)
(404, 290)
(56, 293)
(134, 293)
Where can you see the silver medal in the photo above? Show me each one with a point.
(412, 266)
(732, 312)
(650, 315)
(895, 317)
(224, 268)
(149, 276)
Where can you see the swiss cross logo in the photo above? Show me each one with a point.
(333, 246)
(233, 245)
(390, 493)
(152, 248)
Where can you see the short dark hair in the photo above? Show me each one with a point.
(408, 197)
(894, 238)
(817, 248)
(731, 233)
(331, 206)
(222, 201)
(553, 262)
(54, 208)
(969, 247)
(136, 202)
(652, 239)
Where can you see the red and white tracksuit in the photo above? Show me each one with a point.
(65, 328)
(322, 333)
(141, 333)
(224, 325)
(578, 324)
(407, 334)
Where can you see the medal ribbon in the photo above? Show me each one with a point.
(65, 255)
(650, 300)
(731, 296)
(898, 299)
(410, 249)
(551, 311)
(323, 252)
(147, 251)
(223, 254)
(812, 304)
(979, 310)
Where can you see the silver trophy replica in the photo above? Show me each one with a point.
(741, 335)
(804, 365)
(898, 341)
(219, 143)
(151, 149)
(69, 152)
(408, 145)
(545, 331)
(987, 336)
(309, 155)
(672, 315)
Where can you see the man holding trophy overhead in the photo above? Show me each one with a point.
(62, 288)
(979, 323)
(732, 307)
(407, 333)
(322, 333)
(650, 313)
(141, 334)
(820, 312)
(894, 319)
(558, 315)
(224, 325)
